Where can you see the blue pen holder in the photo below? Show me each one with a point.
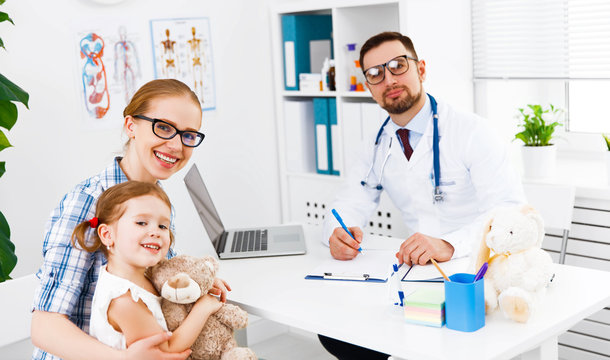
(464, 303)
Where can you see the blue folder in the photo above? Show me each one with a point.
(297, 32)
(322, 136)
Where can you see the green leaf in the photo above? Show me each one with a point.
(8, 259)
(2, 168)
(10, 91)
(4, 17)
(8, 114)
(4, 141)
(2, 44)
(2, 2)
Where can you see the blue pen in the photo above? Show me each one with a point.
(336, 214)
(401, 294)
(481, 272)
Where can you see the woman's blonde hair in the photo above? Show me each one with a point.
(109, 209)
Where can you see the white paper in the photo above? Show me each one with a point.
(374, 263)
(429, 271)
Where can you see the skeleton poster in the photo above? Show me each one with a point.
(182, 50)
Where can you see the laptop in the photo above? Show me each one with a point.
(241, 243)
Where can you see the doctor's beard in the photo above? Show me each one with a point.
(400, 105)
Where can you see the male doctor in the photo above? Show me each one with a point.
(475, 174)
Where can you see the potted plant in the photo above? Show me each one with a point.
(539, 154)
(9, 95)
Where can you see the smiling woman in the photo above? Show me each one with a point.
(69, 274)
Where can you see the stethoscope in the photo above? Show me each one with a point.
(438, 195)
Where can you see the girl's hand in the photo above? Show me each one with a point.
(210, 303)
(221, 288)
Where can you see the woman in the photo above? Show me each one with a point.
(162, 122)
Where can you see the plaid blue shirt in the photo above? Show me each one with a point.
(68, 275)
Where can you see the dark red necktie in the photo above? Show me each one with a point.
(404, 138)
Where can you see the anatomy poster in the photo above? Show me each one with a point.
(109, 70)
(182, 50)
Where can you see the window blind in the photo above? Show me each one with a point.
(541, 39)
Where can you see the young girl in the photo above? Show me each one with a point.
(131, 227)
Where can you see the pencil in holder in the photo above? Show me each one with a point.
(464, 303)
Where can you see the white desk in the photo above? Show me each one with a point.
(359, 313)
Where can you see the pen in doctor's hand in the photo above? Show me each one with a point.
(336, 214)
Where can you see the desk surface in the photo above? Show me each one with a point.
(360, 313)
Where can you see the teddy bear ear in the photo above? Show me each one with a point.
(535, 216)
(483, 253)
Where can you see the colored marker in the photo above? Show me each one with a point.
(481, 272)
(336, 214)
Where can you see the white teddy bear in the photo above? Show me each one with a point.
(519, 271)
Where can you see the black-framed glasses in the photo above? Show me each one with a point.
(397, 66)
(167, 131)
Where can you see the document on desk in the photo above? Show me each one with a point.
(373, 264)
(428, 273)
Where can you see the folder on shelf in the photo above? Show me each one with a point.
(334, 137)
(322, 136)
(351, 122)
(298, 31)
(299, 135)
(428, 273)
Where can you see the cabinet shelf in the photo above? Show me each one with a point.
(309, 94)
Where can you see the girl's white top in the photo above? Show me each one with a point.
(110, 287)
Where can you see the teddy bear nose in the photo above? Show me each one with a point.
(179, 281)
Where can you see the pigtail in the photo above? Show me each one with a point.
(79, 237)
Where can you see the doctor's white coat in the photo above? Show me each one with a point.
(476, 176)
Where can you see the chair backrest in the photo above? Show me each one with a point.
(17, 296)
(555, 203)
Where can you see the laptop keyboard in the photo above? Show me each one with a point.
(251, 240)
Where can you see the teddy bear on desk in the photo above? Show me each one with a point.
(519, 271)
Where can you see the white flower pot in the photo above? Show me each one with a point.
(539, 162)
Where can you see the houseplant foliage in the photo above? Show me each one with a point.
(10, 94)
(536, 131)
(607, 138)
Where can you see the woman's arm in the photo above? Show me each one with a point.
(56, 334)
(135, 321)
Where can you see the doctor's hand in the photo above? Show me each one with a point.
(220, 288)
(342, 246)
(420, 248)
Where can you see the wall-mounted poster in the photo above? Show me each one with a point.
(109, 69)
(182, 49)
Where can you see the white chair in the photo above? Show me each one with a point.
(16, 296)
(555, 203)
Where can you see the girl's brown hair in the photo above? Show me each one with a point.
(109, 209)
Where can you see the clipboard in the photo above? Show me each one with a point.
(370, 266)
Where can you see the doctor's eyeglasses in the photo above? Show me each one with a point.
(167, 131)
(397, 66)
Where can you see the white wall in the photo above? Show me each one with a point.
(53, 150)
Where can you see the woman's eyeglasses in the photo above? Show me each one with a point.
(167, 131)
(397, 66)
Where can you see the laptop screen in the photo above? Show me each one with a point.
(204, 205)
